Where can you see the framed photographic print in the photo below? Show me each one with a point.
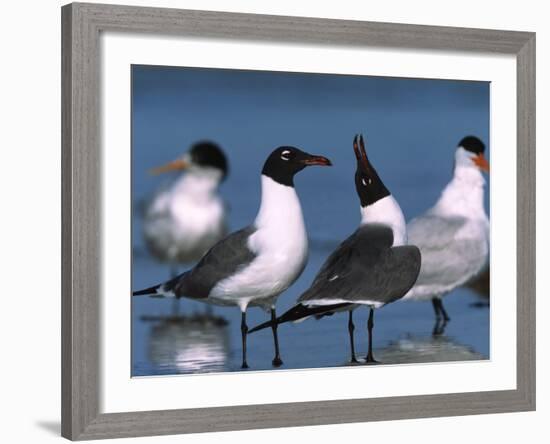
(289, 219)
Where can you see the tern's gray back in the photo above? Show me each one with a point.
(434, 232)
(366, 267)
(446, 258)
(221, 261)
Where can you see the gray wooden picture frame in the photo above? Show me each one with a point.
(81, 174)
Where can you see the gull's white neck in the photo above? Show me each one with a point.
(280, 207)
(463, 195)
(387, 211)
(280, 237)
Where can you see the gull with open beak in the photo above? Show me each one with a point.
(453, 235)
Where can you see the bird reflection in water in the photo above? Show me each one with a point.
(421, 349)
(193, 344)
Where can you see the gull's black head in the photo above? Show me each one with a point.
(207, 154)
(283, 163)
(368, 184)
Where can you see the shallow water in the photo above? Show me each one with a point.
(411, 126)
(201, 342)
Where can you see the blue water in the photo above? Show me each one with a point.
(411, 128)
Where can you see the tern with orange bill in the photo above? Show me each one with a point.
(183, 221)
(453, 235)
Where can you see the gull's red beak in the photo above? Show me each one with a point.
(481, 162)
(317, 160)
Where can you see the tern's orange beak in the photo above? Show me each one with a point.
(176, 165)
(481, 162)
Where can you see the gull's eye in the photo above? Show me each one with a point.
(286, 155)
(366, 182)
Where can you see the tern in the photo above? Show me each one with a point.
(453, 235)
(372, 267)
(253, 266)
(185, 220)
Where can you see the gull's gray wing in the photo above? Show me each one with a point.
(221, 261)
(366, 267)
(446, 259)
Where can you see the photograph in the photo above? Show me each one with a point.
(291, 220)
(271, 222)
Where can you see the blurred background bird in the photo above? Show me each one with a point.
(453, 235)
(184, 220)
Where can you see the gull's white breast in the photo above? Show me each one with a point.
(281, 245)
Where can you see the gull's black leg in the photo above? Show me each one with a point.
(370, 325)
(351, 328)
(244, 332)
(277, 362)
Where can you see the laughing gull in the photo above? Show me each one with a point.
(372, 267)
(453, 235)
(184, 221)
(253, 266)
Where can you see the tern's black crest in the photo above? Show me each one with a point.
(208, 154)
(472, 144)
(284, 162)
(368, 184)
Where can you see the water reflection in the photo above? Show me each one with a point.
(189, 345)
(416, 349)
